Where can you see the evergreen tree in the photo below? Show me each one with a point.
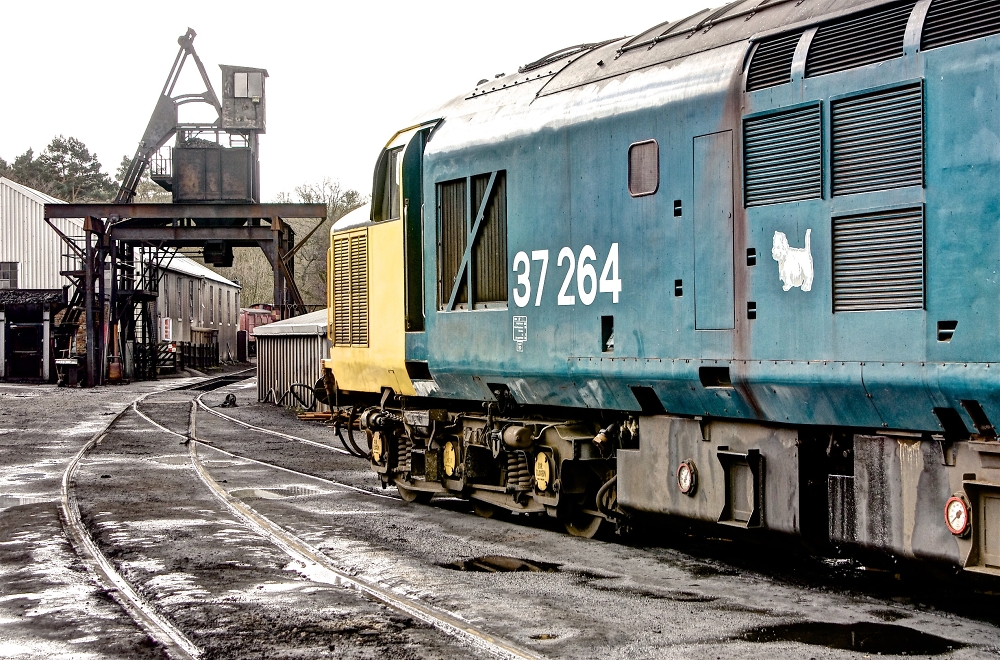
(75, 173)
(66, 170)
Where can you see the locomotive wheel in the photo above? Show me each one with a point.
(485, 509)
(581, 524)
(411, 495)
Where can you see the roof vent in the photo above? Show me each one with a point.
(874, 36)
(952, 21)
(772, 62)
(563, 53)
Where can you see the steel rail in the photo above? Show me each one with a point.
(311, 558)
(299, 550)
(241, 457)
(270, 432)
(158, 628)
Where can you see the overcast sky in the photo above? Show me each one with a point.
(343, 75)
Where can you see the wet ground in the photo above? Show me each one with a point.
(234, 592)
(49, 605)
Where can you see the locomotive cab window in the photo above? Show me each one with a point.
(385, 196)
(643, 168)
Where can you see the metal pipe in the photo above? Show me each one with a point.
(601, 493)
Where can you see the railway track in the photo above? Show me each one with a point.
(313, 562)
(390, 553)
(157, 627)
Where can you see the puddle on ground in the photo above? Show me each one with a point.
(708, 570)
(501, 564)
(878, 638)
(273, 493)
(7, 501)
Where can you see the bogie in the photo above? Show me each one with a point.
(502, 464)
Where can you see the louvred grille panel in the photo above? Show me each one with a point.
(878, 261)
(878, 141)
(772, 62)
(342, 291)
(490, 258)
(952, 21)
(454, 235)
(350, 290)
(873, 36)
(359, 289)
(783, 159)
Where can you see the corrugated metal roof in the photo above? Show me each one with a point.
(37, 195)
(188, 266)
(313, 323)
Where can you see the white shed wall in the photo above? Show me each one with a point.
(283, 360)
(25, 237)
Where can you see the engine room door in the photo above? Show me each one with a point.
(713, 232)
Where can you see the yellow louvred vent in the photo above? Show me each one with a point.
(350, 290)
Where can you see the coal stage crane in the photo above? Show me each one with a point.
(212, 173)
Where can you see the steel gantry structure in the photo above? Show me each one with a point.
(212, 174)
(124, 249)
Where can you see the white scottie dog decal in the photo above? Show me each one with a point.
(795, 265)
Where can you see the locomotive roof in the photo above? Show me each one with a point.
(738, 21)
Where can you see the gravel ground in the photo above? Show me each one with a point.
(49, 605)
(235, 594)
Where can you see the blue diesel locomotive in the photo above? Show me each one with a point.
(742, 268)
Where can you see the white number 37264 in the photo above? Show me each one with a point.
(587, 283)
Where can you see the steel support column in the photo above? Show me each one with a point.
(279, 277)
(101, 344)
(3, 345)
(88, 304)
(46, 349)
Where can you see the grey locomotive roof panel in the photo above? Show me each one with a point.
(738, 21)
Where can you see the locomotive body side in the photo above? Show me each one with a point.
(677, 289)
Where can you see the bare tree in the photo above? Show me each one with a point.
(252, 269)
(147, 191)
(310, 260)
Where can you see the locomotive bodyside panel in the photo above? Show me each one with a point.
(566, 173)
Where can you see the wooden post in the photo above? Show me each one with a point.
(46, 340)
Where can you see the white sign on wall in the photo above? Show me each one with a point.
(166, 329)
